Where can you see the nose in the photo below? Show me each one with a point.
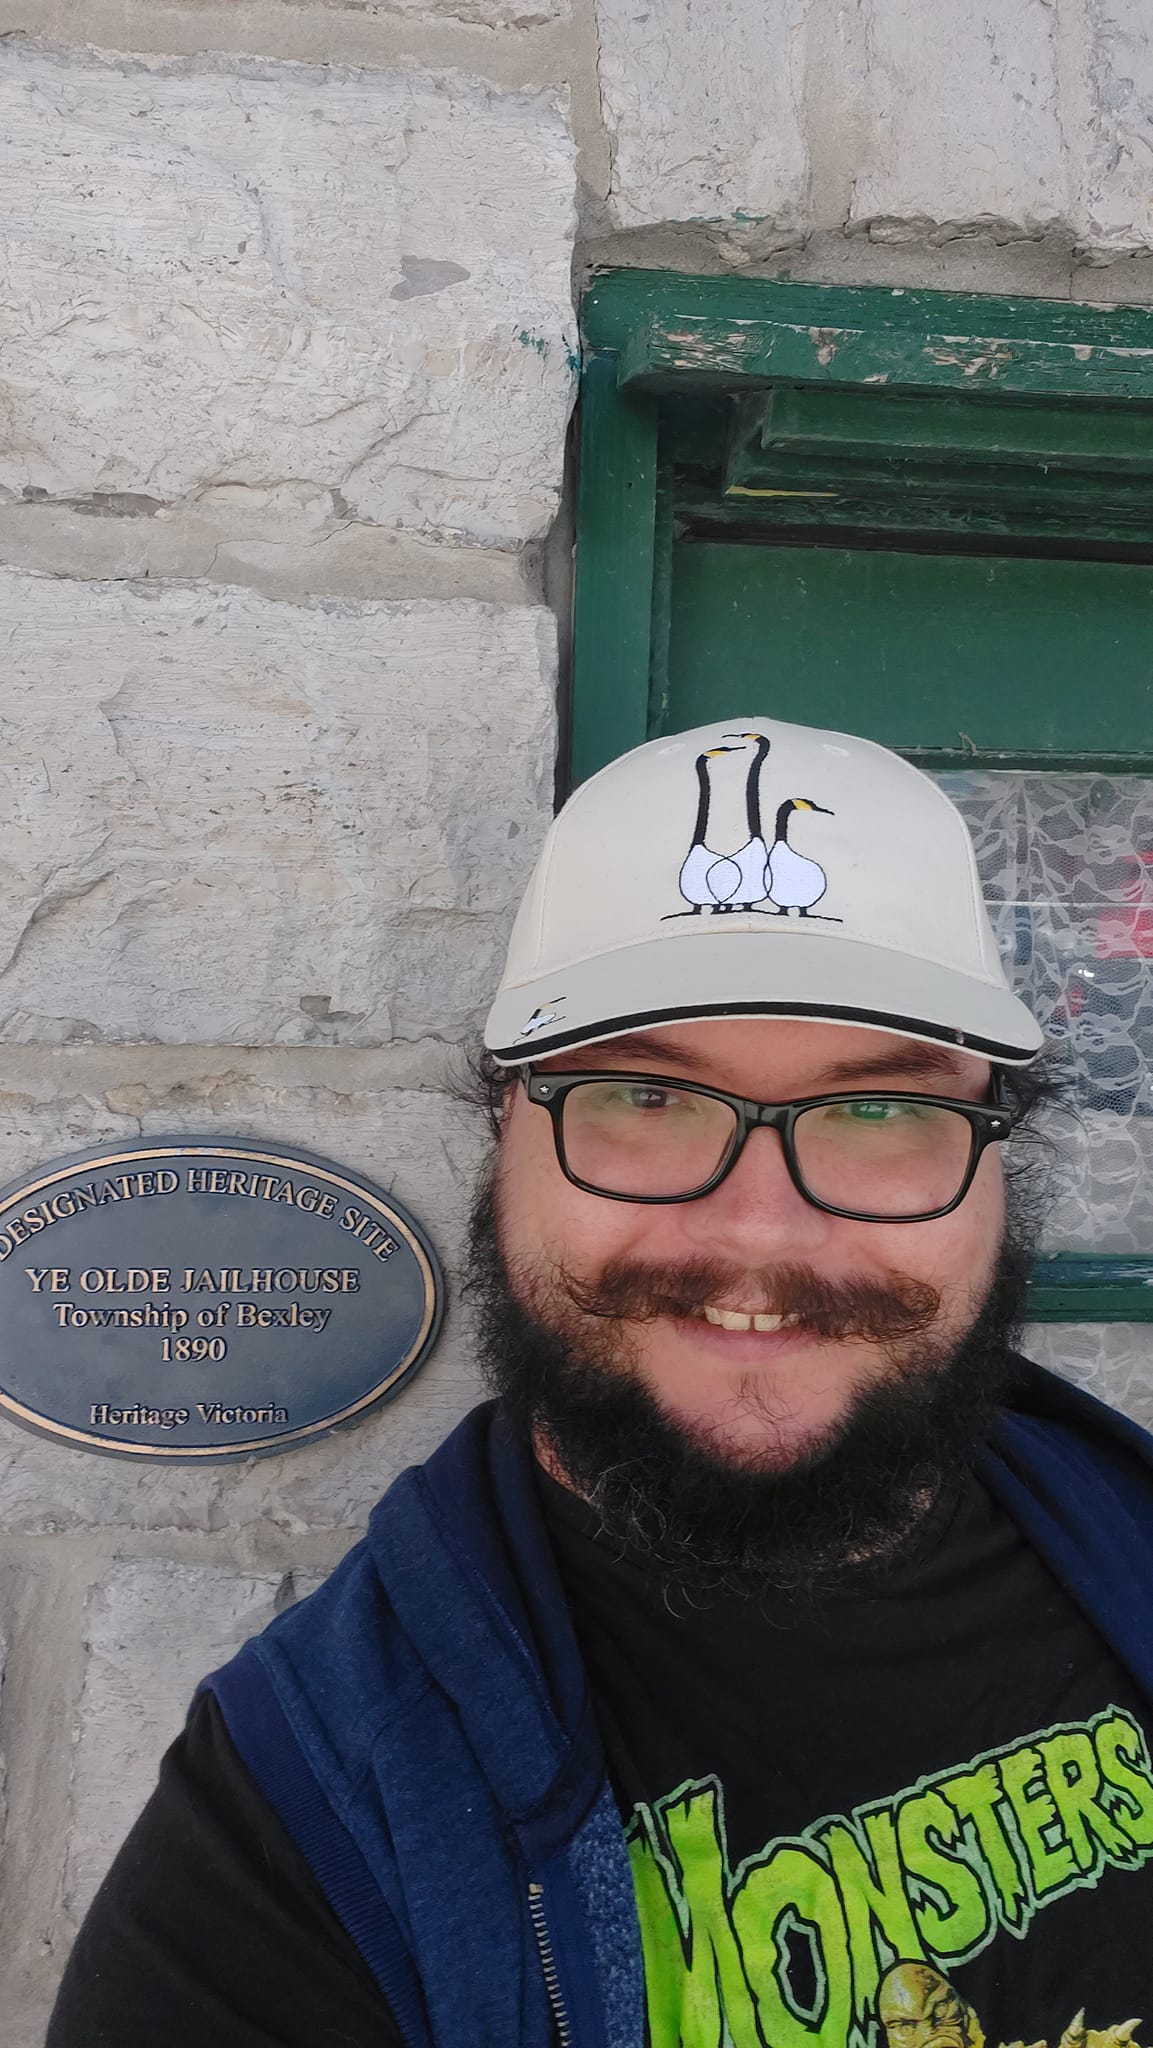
(757, 1213)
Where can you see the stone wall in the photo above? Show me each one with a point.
(287, 354)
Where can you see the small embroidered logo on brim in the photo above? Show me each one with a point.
(542, 1016)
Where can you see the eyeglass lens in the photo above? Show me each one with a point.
(881, 1157)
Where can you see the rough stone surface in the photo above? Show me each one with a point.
(1116, 213)
(41, 1620)
(222, 273)
(702, 105)
(961, 120)
(416, 1142)
(154, 1628)
(481, 13)
(289, 542)
(3, 1756)
(231, 821)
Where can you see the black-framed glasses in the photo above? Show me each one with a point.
(877, 1156)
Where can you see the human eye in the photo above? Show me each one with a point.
(650, 1098)
(876, 1110)
(634, 1099)
(878, 1116)
(642, 1095)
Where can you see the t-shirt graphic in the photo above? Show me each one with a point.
(857, 1932)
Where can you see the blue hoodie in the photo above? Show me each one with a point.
(423, 1727)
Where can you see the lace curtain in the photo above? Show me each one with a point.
(1066, 862)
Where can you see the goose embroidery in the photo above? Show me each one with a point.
(715, 881)
(795, 882)
(753, 873)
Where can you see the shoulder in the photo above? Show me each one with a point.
(1062, 1409)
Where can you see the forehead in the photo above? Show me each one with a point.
(756, 1054)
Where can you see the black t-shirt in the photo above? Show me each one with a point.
(948, 1769)
(900, 1818)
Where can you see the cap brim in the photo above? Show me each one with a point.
(801, 973)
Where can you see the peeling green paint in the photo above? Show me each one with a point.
(665, 328)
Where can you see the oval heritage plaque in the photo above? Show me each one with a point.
(206, 1299)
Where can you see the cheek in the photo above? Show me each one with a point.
(957, 1254)
(543, 1218)
(980, 1220)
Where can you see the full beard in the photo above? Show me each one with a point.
(558, 1355)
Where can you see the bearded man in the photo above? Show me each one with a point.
(776, 1623)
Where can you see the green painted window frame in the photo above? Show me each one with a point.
(653, 336)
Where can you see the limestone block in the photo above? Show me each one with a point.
(3, 1757)
(1115, 214)
(289, 543)
(154, 1629)
(474, 13)
(227, 820)
(960, 122)
(702, 109)
(226, 271)
(416, 1142)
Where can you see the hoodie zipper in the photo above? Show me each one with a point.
(548, 1965)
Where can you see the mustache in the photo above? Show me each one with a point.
(877, 1312)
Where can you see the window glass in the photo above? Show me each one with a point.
(1111, 1360)
(1066, 863)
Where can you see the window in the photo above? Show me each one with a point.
(928, 519)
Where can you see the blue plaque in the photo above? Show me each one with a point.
(206, 1299)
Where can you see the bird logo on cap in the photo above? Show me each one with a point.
(753, 873)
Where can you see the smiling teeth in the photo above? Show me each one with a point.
(733, 1319)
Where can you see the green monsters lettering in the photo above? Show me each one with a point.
(789, 1949)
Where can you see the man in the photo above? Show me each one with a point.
(778, 1627)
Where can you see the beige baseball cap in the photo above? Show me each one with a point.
(753, 868)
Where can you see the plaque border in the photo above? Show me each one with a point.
(41, 1425)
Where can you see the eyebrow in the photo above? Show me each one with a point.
(913, 1062)
(650, 1045)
